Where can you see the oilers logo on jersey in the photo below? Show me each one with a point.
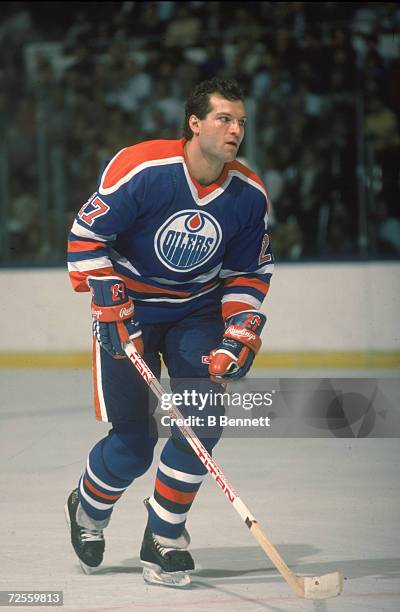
(187, 240)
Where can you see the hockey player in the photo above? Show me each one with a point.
(173, 248)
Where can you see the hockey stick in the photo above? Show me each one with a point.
(309, 587)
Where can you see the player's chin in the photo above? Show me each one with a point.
(230, 154)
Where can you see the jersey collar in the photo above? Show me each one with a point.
(203, 195)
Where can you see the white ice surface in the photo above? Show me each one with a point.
(327, 504)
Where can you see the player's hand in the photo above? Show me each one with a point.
(112, 313)
(240, 343)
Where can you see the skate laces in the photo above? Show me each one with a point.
(161, 549)
(90, 530)
(91, 535)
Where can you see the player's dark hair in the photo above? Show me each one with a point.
(198, 101)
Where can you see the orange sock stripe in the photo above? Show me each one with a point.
(179, 497)
(100, 493)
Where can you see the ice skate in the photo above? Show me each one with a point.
(164, 560)
(86, 534)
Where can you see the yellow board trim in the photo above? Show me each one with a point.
(46, 360)
(310, 359)
(343, 359)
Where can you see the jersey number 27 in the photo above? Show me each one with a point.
(98, 208)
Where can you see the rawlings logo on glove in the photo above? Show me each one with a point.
(240, 333)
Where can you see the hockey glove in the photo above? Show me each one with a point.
(240, 343)
(112, 313)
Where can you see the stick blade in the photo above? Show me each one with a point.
(323, 587)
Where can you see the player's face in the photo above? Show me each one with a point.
(221, 131)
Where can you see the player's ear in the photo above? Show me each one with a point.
(194, 124)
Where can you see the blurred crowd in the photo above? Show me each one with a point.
(81, 80)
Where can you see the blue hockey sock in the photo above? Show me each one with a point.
(113, 463)
(179, 476)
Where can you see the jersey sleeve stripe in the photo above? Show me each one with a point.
(266, 269)
(252, 301)
(247, 291)
(265, 278)
(256, 283)
(78, 279)
(79, 231)
(89, 253)
(230, 308)
(81, 256)
(89, 264)
(79, 246)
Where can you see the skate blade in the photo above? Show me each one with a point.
(87, 569)
(153, 574)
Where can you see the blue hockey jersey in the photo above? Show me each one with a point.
(177, 245)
